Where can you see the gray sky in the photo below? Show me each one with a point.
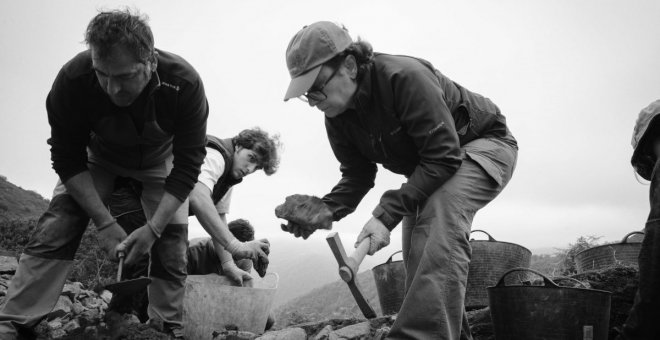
(570, 76)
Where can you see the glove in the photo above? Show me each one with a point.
(305, 214)
(262, 262)
(110, 235)
(249, 250)
(297, 230)
(137, 244)
(378, 234)
(235, 274)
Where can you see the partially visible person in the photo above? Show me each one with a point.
(120, 108)
(452, 145)
(204, 258)
(643, 322)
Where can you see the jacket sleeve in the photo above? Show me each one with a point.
(357, 175)
(419, 100)
(69, 128)
(189, 141)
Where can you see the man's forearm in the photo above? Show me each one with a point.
(202, 205)
(81, 188)
(166, 209)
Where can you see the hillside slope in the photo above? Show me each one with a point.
(18, 203)
(333, 300)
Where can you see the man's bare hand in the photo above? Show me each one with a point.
(109, 238)
(137, 244)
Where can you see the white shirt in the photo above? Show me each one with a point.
(211, 170)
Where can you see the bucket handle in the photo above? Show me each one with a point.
(389, 260)
(546, 280)
(625, 238)
(576, 280)
(490, 238)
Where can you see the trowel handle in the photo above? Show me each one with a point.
(121, 265)
(354, 260)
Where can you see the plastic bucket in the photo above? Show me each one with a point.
(390, 278)
(491, 259)
(548, 312)
(608, 255)
(211, 304)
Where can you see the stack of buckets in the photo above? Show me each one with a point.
(519, 310)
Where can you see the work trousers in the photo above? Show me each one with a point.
(48, 256)
(643, 321)
(436, 247)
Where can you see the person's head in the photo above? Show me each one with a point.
(123, 54)
(242, 230)
(325, 66)
(646, 140)
(255, 149)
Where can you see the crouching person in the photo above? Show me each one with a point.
(226, 163)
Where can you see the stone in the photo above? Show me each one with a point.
(90, 332)
(55, 324)
(90, 316)
(72, 289)
(357, 331)
(77, 308)
(324, 334)
(285, 334)
(8, 264)
(91, 302)
(62, 308)
(315, 327)
(381, 333)
(58, 334)
(71, 326)
(233, 335)
(106, 296)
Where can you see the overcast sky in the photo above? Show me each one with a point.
(570, 76)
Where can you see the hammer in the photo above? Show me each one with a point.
(348, 268)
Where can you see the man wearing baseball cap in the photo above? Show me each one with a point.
(642, 322)
(452, 145)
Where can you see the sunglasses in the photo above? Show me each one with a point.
(316, 93)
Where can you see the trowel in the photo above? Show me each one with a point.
(127, 287)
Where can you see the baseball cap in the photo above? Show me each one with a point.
(647, 123)
(312, 46)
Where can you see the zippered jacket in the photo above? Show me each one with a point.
(168, 118)
(413, 120)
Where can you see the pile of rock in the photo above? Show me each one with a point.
(83, 314)
(373, 329)
(80, 313)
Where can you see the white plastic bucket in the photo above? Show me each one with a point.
(211, 304)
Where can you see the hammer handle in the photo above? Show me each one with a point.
(354, 260)
(121, 265)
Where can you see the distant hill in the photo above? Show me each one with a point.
(333, 300)
(19, 203)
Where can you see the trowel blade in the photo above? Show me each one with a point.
(128, 287)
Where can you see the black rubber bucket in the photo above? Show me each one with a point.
(608, 255)
(548, 312)
(390, 280)
(490, 259)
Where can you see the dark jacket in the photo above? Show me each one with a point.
(226, 149)
(168, 118)
(413, 120)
